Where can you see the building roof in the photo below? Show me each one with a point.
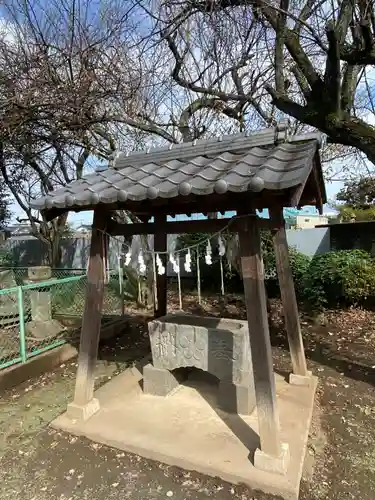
(186, 172)
(19, 229)
(83, 227)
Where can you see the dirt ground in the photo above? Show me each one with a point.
(38, 463)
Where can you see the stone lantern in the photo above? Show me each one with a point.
(40, 298)
(41, 325)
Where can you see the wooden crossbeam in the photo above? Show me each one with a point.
(181, 227)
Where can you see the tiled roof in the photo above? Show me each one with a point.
(232, 164)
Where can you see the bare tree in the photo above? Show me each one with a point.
(67, 83)
(313, 61)
(77, 83)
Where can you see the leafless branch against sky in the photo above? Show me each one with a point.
(81, 79)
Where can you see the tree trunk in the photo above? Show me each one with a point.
(342, 129)
(54, 252)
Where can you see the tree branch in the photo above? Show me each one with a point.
(343, 21)
(332, 75)
(287, 105)
(203, 102)
(269, 12)
(14, 191)
(150, 127)
(279, 46)
(301, 81)
(348, 87)
(176, 75)
(362, 50)
(359, 57)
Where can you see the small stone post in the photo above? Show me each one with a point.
(41, 326)
(40, 299)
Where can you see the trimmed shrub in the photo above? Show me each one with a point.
(6, 258)
(299, 264)
(342, 278)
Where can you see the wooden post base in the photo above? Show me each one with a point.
(268, 463)
(304, 380)
(84, 404)
(84, 412)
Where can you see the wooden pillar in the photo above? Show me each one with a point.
(288, 295)
(256, 308)
(84, 404)
(160, 245)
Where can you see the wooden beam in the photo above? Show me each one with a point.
(188, 204)
(160, 245)
(84, 405)
(179, 227)
(288, 294)
(319, 204)
(261, 354)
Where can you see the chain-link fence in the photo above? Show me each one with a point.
(32, 314)
(10, 320)
(20, 274)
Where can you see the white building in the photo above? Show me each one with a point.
(308, 221)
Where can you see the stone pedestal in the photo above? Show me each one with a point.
(41, 305)
(305, 380)
(218, 346)
(158, 381)
(41, 325)
(40, 298)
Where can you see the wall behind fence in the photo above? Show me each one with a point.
(29, 251)
(310, 241)
(347, 236)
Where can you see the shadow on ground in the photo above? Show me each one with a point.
(38, 463)
(344, 341)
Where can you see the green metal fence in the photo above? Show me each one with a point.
(31, 313)
(20, 273)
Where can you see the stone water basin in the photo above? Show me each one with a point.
(219, 346)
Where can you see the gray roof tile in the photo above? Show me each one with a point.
(218, 166)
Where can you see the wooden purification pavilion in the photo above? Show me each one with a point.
(244, 173)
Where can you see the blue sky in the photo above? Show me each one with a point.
(94, 14)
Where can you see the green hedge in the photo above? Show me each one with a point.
(334, 279)
(298, 262)
(342, 278)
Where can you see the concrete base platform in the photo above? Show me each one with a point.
(186, 429)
